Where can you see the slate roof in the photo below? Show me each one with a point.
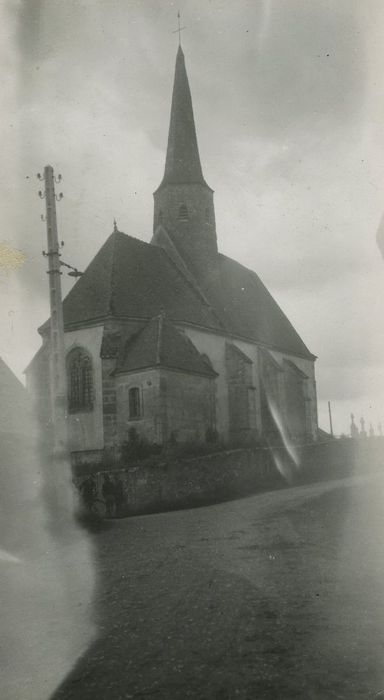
(183, 161)
(247, 309)
(160, 344)
(131, 279)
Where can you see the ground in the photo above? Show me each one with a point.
(279, 595)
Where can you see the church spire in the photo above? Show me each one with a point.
(184, 215)
(182, 164)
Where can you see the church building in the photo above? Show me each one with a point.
(174, 339)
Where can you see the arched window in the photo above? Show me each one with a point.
(80, 380)
(134, 403)
(183, 212)
(207, 214)
(160, 217)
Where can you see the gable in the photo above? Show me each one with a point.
(160, 344)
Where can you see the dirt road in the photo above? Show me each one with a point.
(279, 595)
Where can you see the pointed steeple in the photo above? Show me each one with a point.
(182, 164)
(184, 211)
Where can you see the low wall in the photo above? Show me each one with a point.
(338, 458)
(221, 476)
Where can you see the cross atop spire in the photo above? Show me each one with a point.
(179, 29)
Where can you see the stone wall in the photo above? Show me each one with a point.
(109, 402)
(189, 405)
(149, 424)
(85, 428)
(213, 478)
(194, 236)
(214, 346)
(182, 483)
(308, 367)
(174, 404)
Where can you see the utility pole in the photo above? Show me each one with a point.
(61, 498)
(330, 418)
(58, 385)
(58, 475)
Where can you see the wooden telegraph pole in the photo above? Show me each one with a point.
(59, 475)
(57, 351)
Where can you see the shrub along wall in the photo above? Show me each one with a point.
(182, 483)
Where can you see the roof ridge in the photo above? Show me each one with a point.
(193, 284)
(112, 274)
(133, 238)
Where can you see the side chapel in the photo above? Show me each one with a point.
(173, 338)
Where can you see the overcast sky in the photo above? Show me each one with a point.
(289, 106)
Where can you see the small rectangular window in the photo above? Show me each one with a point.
(134, 403)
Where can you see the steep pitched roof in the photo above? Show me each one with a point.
(160, 344)
(131, 279)
(247, 309)
(183, 161)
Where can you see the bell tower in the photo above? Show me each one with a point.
(183, 203)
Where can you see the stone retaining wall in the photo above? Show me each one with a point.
(217, 477)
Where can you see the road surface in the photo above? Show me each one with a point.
(279, 595)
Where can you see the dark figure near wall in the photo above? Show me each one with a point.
(119, 498)
(88, 492)
(108, 491)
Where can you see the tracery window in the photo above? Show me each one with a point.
(134, 403)
(80, 380)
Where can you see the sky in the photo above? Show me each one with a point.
(288, 98)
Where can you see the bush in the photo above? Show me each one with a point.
(137, 448)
